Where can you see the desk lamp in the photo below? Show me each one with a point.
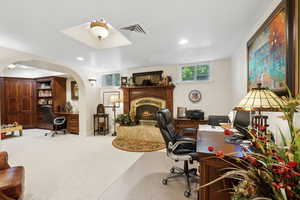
(259, 100)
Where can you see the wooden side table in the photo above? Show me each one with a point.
(101, 127)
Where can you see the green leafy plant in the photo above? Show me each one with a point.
(124, 120)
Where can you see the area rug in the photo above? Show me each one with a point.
(137, 145)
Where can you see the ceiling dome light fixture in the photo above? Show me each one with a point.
(183, 41)
(80, 58)
(99, 29)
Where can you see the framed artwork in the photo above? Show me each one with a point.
(74, 90)
(271, 52)
(195, 96)
(297, 28)
(147, 78)
(181, 112)
(107, 96)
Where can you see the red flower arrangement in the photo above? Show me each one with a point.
(210, 148)
(227, 132)
(275, 167)
(220, 154)
(292, 164)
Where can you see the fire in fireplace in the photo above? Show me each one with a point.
(146, 112)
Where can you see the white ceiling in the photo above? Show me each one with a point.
(214, 28)
(24, 71)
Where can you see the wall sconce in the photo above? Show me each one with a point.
(93, 82)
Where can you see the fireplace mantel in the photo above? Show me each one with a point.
(131, 93)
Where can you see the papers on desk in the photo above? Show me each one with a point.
(209, 128)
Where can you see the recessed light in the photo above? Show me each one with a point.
(183, 41)
(23, 66)
(80, 58)
(11, 66)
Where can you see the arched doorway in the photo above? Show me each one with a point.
(85, 104)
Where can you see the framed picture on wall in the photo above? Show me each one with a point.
(109, 96)
(74, 90)
(297, 27)
(271, 52)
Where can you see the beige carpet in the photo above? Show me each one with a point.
(67, 167)
(142, 181)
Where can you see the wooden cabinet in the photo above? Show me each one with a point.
(18, 101)
(2, 99)
(20, 97)
(49, 91)
(181, 123)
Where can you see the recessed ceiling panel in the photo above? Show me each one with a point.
(82, 33)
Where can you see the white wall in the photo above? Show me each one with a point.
(239, 73)
(216, 94)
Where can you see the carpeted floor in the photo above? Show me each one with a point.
(142, 181)
(67, 167)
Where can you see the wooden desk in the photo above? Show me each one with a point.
(210, 168)
(182, 123)
(72, 121)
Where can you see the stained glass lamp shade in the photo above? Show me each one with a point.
(260, 99)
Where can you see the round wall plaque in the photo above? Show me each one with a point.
(195, 96)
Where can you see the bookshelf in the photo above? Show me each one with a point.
(50, 91)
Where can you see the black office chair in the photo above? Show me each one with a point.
(57, 123)
(215, 120)
(178, 149)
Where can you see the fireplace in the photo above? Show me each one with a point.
(142, 102)
(146, 112)
(144, 109)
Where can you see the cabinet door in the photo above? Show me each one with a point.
(2, 101)
(26, 103)
(11, 100)
(73, 123)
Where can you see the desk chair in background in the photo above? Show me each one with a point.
(57, 123)
(178, 149)
(215, 120)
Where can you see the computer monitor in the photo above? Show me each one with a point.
(241, 123)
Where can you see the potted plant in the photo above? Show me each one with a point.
(124, 120)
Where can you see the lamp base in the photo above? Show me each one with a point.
(260, 122)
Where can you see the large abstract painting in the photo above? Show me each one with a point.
(267, 54)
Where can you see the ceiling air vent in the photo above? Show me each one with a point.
(135, 28)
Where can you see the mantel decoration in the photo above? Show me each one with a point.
(273, 172)
(195, 96)
(270, 51)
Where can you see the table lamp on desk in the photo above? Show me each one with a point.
(260, 100)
